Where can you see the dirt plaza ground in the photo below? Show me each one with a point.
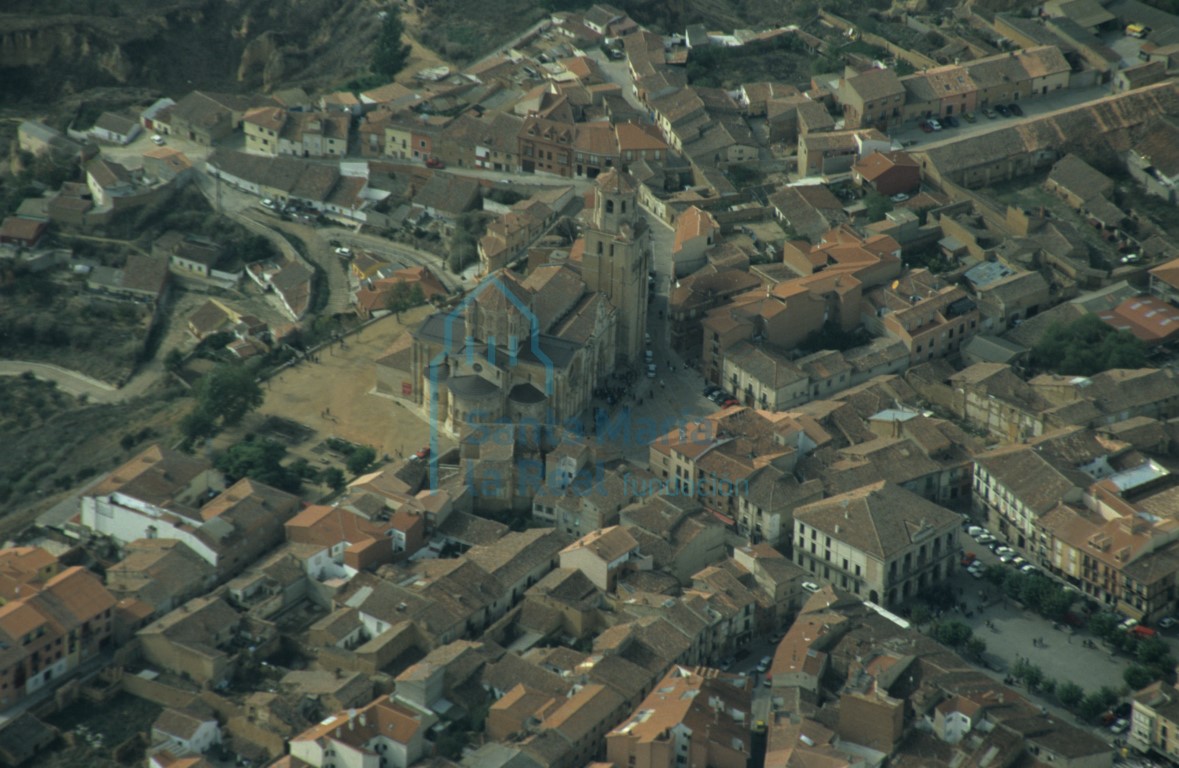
(335, 396)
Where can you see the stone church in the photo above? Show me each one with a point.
(533, 349)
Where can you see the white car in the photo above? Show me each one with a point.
(266, 201)
(1128, 624)
(1120, 726)
(986, 538)
(342, 251)
(810, 586)
(975, 531)
(650, 370)
(157, 139)
(899, 197)
(1028, 569)
(1006, 558)
(764, 664)
(649, 355)
(934, 124)
(1005, 551)
(1167, 622)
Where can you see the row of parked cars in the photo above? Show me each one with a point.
(934, 124)
(719, 396)
(1006, 555)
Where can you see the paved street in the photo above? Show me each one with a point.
(912, 136)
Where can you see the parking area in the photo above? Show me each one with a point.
(911, 135)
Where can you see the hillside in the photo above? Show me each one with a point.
(49, 49)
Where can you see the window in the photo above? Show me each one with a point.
(609, 206)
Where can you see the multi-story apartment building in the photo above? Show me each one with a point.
(47, 635)
(880, 541)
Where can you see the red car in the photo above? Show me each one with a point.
(434, 162)
(968, 558)
(729, 402)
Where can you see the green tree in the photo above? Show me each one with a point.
(1048, 686)
(1070, 694)
(1091, 706)
(952, 633)
(198, 424)
(361, 459)
(334, 478)
(391, 55)
(1153, 651)
(1033, 676)
(174, 360)
(975, 647)
(260, 460)
(404, 296)
(876, 205)
(1087, 346)
(230, 391)
(1137, 676)
(1104, 625)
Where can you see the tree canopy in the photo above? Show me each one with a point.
(229, 392)
(404, 296)
(391, 55)
(260, 460)
(1087, 346)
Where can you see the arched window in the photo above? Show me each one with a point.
(609, 206)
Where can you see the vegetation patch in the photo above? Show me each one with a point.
(1087, 346)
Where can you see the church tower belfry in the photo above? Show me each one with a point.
(618, 257)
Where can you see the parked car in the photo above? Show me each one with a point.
(810, 586)
(342, 251)
(1121, 725)
(1015, 110)
(1167, 622)
(764, 664)
(925, 126)
(969, 117)
(951, 121)
(1003, 110)
(977, 570)
(650, 370)
(1128, 624)
(1028, 569)
(986, 539)
(974, 531)
(157, 139)
(969, 558)
(935, 124)
(899, 197)
(649, 355)
(710, 390)
(1007, 558)
(434, 162)
(725, 664)
(730, 402)
(989, 113)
